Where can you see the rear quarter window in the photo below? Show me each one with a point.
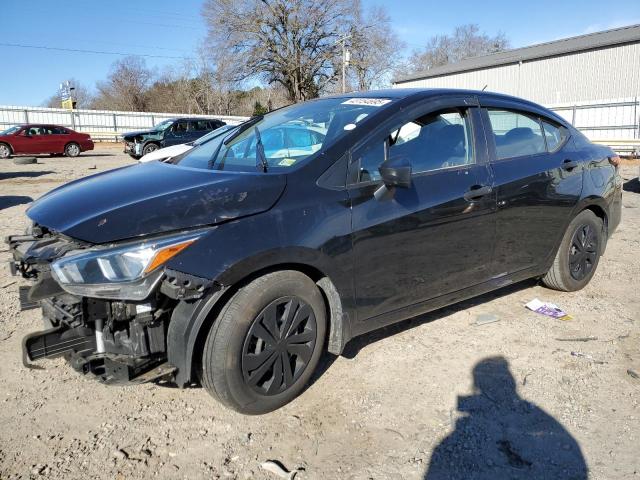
(555, 135)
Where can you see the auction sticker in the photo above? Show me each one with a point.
(287, 162)
(368, 102)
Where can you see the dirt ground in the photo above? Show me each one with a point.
(435, 397)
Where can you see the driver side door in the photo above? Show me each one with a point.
(36, 140)
(177, 134)
(436, 236)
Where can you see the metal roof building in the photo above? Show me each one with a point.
(589, 68)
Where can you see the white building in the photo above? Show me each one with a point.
(592, 80)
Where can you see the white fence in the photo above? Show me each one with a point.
(615, 122)
(101, 124)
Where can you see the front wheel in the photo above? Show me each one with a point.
(150, 147)
(578, 255)
(265, 344)
(5, 151)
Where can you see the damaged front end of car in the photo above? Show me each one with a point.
(106, 308)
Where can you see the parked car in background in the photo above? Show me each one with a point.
(175, 150)
(33, 139)
(169, 132)
(239, 262)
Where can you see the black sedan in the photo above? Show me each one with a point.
(240, 262)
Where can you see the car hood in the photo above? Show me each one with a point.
(166, 152)
(152, 198)
(140, 132)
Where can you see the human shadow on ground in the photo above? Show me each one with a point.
(503, 436)
(632, 185)
(13, 200)
(10, 175)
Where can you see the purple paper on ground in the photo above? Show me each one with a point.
(547, 308)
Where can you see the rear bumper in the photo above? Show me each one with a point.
(615, 207)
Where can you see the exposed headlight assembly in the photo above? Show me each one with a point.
(122, 273)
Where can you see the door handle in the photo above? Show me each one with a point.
(569, 164)
(477, 191)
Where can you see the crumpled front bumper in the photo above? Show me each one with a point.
(133, 148)
(118, 342)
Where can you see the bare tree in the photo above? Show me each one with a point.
(466, 41)
(288, 42)
(374, 47)
(126, 86)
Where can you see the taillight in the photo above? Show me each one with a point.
(614, 160)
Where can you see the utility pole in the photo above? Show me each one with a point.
(346, 56)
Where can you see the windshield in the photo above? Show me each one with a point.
(162, 126)
(215, 133)
(288, 135)
(9, 130)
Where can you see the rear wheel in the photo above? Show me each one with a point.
(72, 150)
(265, 344)
(5, 150)
(578, 255)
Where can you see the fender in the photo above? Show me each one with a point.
(592, 198)
(191, 320)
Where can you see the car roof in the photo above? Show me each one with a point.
(425, 93)
(40, 125)
(397, 93)
(177, 119)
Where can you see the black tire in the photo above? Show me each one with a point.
(150, 147)
(5, 150)
(72, 149)
(239, 369)
(578, 255)
(25, 160)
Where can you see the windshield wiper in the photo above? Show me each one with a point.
(260, 155)
(242, 127)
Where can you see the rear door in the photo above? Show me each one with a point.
(198, 128)
(436, 236)
(538, 181)
(58, 137)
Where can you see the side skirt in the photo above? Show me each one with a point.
(420, 308)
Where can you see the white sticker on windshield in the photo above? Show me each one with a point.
(369, 102)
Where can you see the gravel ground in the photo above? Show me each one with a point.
(434, 397)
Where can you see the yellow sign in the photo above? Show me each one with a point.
(68, 104)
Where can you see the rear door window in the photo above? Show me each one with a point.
(516, 134)
(200, 125)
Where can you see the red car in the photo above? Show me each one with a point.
(33, 139)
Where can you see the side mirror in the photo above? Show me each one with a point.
(24, 133)
(396, 172)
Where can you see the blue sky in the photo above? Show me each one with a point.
(175, 28)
